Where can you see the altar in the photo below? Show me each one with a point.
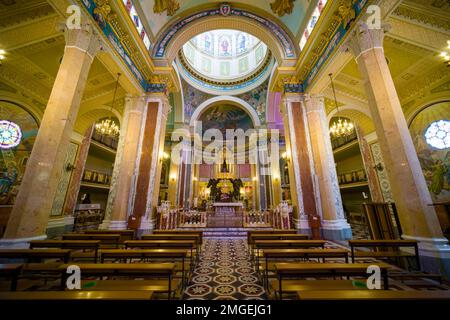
(226, 214)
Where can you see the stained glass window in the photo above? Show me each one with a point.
(437, 134)
(10, 134)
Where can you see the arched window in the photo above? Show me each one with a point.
(437, 134)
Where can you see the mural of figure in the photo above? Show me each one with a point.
(242, 43)
(447, 157)
(437, 182)
(208, 46)
(225, 47)
(8, 178)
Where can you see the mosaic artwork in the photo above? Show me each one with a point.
(224, 117)
(433, 154)
(257, 99)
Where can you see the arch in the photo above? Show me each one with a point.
(251, 20)
(86, 119)
(360, 117)
(430, 102)
(33, 110)
(230, 99)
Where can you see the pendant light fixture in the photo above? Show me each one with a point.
(108, 127)
(340, 127)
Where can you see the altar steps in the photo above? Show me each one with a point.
(224, 232)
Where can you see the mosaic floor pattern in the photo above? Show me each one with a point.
(225, 272)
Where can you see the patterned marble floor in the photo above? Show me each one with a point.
(224, 273)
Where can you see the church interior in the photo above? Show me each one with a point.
(211, 150)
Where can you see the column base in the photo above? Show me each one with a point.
(117, 225)
(57, 227)
(434, 254)
(302, 225)
(104, 225)
(146, 227)
(336, 230)
(20, 243)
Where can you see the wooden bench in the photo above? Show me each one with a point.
(125, 255)
(30, 255)
(383, 245)
(167, 244)
(277, 254)
(11, 271)
(159, 286)
(199, 233)
(302, 270)
(317, 285)
(168, 236)
(135, 270)
(76, 295)
(374, 295)
(92, 245)
(284, 244)
(124, 234)
(106, 240)
(276, 231)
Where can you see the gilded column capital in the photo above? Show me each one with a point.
(314, 102)
(364, 38)
(135, 103)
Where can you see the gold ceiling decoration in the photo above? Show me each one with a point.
(282, 7)
(171, 6)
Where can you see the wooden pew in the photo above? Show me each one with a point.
(106, 240)
(284, 244)
(374, 295)
(384, 244)
(278, 231)
(83, 245)
(30, 255)
(11, 271)
(76, 295)
(302, 270)
(274, 236)
(134, 270)
(166, 244)
(277, 254)
(142, 254)
(199, 233)
(168, 236)
(124, 234)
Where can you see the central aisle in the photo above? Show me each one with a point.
(224, 272)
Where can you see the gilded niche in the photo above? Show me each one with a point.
(171, 6)
(282, 7)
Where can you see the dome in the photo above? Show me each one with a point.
(225, 60)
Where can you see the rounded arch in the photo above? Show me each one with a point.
(223, 99)
(250, 20)
(36, 112)
(88, 118)
(360, 117)
(430, 102)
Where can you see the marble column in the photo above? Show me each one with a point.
(120, 194)
(334, 224)
(302, 183)
(29, 217)
(150, 156)
(409, 189)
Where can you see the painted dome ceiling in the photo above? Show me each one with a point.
(224, 61)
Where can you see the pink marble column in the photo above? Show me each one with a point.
(334, 224)
(301, 168)
(149, 169)
(119, 199)
(34, 201)
(409, 189)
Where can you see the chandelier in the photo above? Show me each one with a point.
(340, 127)
(108, 127)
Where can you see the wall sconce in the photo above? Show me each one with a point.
(173, 177)
(285, 156)
(379, 166)
(70, 167)
(276, 177)
(255, 179)
(194, 179)
(446, 54)
(163, 156)
(2, 56)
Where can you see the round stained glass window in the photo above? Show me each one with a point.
(10, 134)
(437, 134)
